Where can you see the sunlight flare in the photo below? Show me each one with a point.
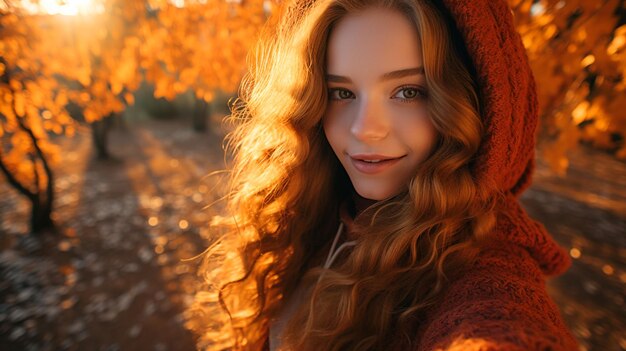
(64, 7)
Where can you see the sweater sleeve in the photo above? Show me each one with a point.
(501, 304)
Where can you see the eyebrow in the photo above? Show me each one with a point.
(387, 76)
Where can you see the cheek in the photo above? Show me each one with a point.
(332, 129)
(327, 125)
(416, 128)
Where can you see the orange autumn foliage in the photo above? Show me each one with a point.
(577, 50)
(97, 60)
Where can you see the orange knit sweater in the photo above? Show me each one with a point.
(501, 303)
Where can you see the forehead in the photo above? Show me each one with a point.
(374, 40)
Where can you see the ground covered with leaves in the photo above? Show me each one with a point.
(115, 274)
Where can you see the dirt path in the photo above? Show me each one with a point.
(112, 278)
(585, 211)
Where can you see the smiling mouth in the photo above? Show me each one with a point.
(374, 166)
(374, 161)
(373, 157)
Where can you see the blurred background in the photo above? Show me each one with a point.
(112, 162)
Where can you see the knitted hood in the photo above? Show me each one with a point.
(510, 114)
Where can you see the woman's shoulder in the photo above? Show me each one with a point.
(499, 303)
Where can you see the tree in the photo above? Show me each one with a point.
(201, 46)
(577, 50)
(33, 106)
(35, 103)
(95, 62)
(107, 66)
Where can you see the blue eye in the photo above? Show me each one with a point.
(340, 94)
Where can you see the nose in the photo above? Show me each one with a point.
(370, 122)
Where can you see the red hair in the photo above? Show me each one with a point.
(286, 186)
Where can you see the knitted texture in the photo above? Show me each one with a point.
(507, 91)
(509, 110)
(501, 302)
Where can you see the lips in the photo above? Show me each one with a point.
(372, 164)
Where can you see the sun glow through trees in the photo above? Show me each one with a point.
(63, 7)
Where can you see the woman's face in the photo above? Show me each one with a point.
(377, 101)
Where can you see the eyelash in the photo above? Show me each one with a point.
(420, 91)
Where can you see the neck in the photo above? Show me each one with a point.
(350, 208)
(361, 203)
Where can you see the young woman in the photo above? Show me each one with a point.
(381, 149)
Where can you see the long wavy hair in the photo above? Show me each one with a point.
(286, 186)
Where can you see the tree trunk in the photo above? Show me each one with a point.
(43, 199)
(41, 206)
(199, 115)
(40, 217)
(100, 135)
